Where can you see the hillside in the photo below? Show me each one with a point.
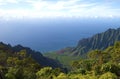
(98, 65)
(99, 41)
(37, 56)
(19, 62)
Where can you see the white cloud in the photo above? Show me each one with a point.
(9, 1)
(61, 8)
(59, 5)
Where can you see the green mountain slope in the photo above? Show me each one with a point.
(99, 41)
(37, 56)
(97, 65)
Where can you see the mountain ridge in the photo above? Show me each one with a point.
(37, 56)
(98, 41)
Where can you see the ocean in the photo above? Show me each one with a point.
(50, 34)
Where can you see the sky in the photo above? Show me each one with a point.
(47, 25)
(17, 9)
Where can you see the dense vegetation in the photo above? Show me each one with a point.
(23, 63)
(37, 56)
(98, 65)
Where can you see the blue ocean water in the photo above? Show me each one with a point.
(53, 34)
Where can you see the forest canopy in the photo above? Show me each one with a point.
(99, 64)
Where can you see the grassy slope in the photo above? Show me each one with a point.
(64, 59)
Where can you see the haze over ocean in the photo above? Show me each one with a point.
(53, 34)
(48, 25)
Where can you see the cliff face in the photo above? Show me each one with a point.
(99, 41)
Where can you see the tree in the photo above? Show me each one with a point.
(108, 75)
(44, 73)
(110, 67)
(62, 76)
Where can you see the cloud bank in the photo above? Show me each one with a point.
(58, 8)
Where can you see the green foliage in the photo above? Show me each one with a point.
(108, 75)
(62, 76)
(3, 58)
(16, 73)
(98, 65)
(10, 76)
(44, 73)
(80, 76)
(110, 67)
(48, 73)
(100, 62)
